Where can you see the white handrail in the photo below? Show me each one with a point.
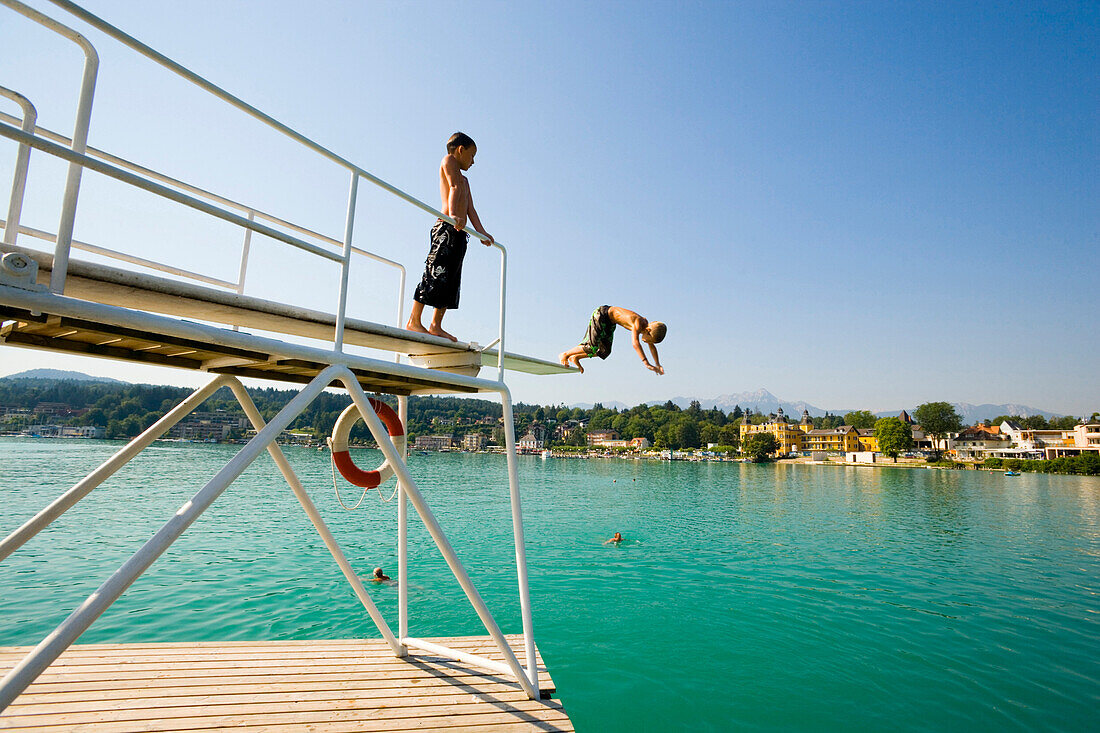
(122, 256)
(106, 169)
(22, 162)
(80, 138)
(183, 185)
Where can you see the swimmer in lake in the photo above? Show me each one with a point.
(379, 576)
(615, 540)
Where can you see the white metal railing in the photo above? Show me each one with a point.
(80, 141)
(80, 137)
(22, 161)
(251, 212)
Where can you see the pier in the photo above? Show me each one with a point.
(339, 685)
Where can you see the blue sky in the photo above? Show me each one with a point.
(860, 205)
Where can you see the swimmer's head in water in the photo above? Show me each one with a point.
(378, 573)
(618, 537)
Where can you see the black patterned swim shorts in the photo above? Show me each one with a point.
(443, 269)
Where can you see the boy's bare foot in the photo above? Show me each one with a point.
(563, 359)
(416, 326)
(577, 363)
(438, 331)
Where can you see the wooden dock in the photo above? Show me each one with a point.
(338, 685)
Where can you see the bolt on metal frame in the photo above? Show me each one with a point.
(56, 303)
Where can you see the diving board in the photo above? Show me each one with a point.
(139, 291)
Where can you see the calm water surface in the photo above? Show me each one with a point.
(745, 598)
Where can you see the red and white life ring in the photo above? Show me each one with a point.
(338, 443)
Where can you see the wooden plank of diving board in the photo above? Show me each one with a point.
(81, 347)
(66, 322)
(8, 313)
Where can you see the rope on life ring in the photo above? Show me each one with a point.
(341, 457)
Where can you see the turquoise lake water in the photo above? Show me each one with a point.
(746, 597)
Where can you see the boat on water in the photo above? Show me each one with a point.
(1012, 473)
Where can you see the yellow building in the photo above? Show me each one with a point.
(836, 440)
(788, 435)
(867, 440)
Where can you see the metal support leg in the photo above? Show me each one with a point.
(517, 533)
(403, 538)
(63, 503)
(276, 452)
(381, 436)
(78, 622)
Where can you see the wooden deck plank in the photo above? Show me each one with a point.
(316, 685)
(443, 670)
(413, 717)
(81, 662)
(315, 690)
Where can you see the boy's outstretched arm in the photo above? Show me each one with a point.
(656, 360)
(476, 221)
(634, 331)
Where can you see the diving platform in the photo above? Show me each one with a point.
(53, 301)
(327, 685)
(53, 323)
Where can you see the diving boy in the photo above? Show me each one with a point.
(443, 269)
(601, 332)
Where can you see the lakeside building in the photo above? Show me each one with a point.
(434, 442)
(531, 442)
(57, 409)
(65, 431)
(789, 436)
(867, 440)
(1084, 438)
(474, 441)
(844, 439)
(1009, 440)
(602, 437)
(209, 425)
(979, 441)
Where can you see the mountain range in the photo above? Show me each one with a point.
(763, 401)
(60, 375)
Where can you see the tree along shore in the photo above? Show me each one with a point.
(125, 410)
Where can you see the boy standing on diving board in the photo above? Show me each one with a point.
(601, 332)
(443, 269)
